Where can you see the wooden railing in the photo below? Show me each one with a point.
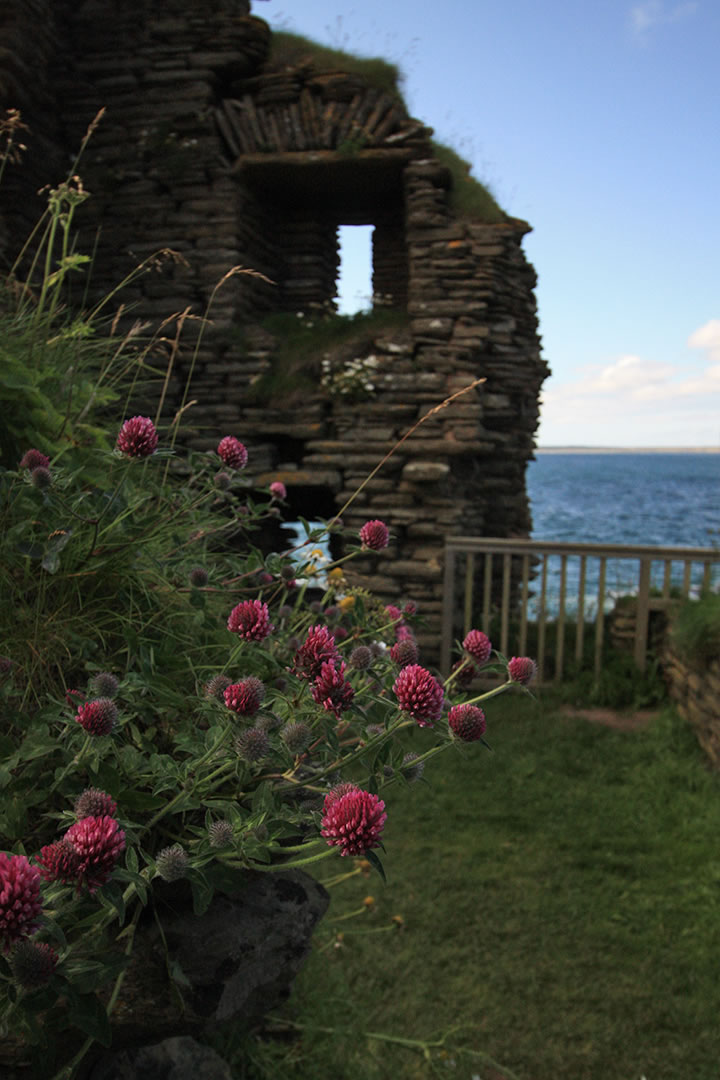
(524, 595)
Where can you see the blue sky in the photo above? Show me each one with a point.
(597, 123)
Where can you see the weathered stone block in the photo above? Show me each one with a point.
(432, 472)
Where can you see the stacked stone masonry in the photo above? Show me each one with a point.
(696, 694)
(208, 149)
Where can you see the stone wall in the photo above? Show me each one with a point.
(696, 694)
(207, 149)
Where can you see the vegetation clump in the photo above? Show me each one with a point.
(174, 706)
(294, 50)
(323, 347)
(696, 629)
(469, 198)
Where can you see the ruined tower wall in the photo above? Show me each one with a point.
(205, 151)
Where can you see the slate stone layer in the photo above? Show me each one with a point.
(206, 149)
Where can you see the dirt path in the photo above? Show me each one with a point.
(620, 721)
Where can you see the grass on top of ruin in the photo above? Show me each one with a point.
(469, 196)
(556, 912)
(293, 50)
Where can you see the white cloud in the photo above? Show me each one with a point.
(652, 13)
(632, 401)
(630, 373)
(707, 337)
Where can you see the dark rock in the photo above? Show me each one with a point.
(172, 1059)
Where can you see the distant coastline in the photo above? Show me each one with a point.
(627, 450)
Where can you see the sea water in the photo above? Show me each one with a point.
(659, 499)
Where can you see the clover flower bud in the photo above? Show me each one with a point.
(220, 834)
(20, 903)
(104, 684)
(412, 769)
(98, 844)
(467, 722)
(404, 652)
(34, 459)
(172, 863)
(353, 822)
(466, 672)
(361, 658)
(319, 646)
(331, 689)
(253, 745)
(296, 736)
(94, 803)
(375, 535)
(32, 963)
(41, 478)
(214, 687)
(232, 452)
(419, 694)
(521, 669)
(250, 619)
(59, 862)
(245, 697)
(478, 646)
(98, 717)
(137, 437)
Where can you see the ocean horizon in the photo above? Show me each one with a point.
(627, 450)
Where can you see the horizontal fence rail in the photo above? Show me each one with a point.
(524, 585)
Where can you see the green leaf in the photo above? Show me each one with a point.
(131, 859)
(89, 975)
(7, 745)
(178, 975)
(375, 863)
(108, 779)
(111, 898)
(202, 891)
(142, 800)
(88, 1013)
(137, 880)
(40, 1000)
(33, 551)
(54, 930)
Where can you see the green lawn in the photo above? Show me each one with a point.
(560, 900)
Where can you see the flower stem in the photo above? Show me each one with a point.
(293, 862)
(182, 794)
(73, 763)
(489, 693)
(454, 674)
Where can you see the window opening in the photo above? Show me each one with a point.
(316, 552)
(354, 284)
